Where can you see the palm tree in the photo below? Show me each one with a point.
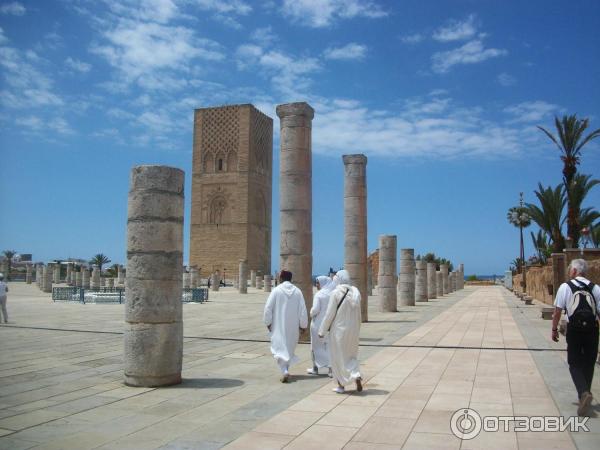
(549, 216)
(8, 254)
(99, 260)
(570, 141)
(541, 245)
(578, 190)
(517, 216)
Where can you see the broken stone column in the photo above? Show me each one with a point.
(153, 309)
(28, 274)
(95, 281)
(406, 284)
(452, 282)
(193, 277)
(355, 226)
(120, 275)
(268, 283)
(185, 280)
(69, 272)
(386, 279)
(102, 282)
(79, 278)
(253, 278)
(48, 272)
(431, 281)
(421, 281)
(236, 283)
(295, 194)
(215, 282)
(243, 277)
(439, 284)
(85, 278)
(110, 283)
(56, 273)
(461, 277)
(445, 280)
(259, 280)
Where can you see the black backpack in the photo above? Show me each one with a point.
(581, 307)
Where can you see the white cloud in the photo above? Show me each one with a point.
(456, 30)
(77, 65)
(13, 8)
(506, 80)
(470, 53)
(37, 125)
(412, 38)
(237, 7)
(533, 111)
(161, 11)
(264, 36)
(347, 52)
(322, 13)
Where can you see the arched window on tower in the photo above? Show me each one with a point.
(232, 162)
(219, 213)
(220, 165)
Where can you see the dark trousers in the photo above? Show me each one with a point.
(582, 350)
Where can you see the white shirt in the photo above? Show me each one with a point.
(564, 293)
(3, 288)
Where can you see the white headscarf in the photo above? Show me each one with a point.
(323, 281)
(342, 277)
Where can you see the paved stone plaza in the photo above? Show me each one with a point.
(62, 379)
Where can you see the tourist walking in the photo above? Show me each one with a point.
(342, 321)
(580, 298)
(319, 345)
(3, 291)
(285, 317)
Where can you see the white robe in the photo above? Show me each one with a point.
(344, 331)
(317, 313)
(285, 311)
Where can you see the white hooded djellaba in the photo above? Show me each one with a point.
(344, 330)
(317, 313)
(285, 312)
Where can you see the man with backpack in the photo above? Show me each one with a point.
(580, 299)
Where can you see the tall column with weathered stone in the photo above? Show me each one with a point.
(79, 278)
(48, 275)
(445, 280)
(85, 278)
(461, 276)
(268, 282)
(39, 275)
(452, 282)
(259, 280)
(253, 278)
(406, 284)
(69, 272)
(215, 282)
(56, 273)
(28, 274)
(185, 280)
(295, 194)
(95, 282)
(421, 281)
(243, 277)
(431, 281)
(193, 277)
(120, 275)
(386, 279)
(153, 310)
(355, 225)
(439, 284)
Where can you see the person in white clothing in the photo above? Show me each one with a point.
(342, 321)
(285, 317)
(3, 291)
(580, 299)
(319, 350)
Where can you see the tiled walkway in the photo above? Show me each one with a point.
(412, 391)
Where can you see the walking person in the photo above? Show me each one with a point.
(319, 345)
(342, 321)
(580, 298)
(3, 291)
(285, 317)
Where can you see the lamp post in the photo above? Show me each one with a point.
(518, 217)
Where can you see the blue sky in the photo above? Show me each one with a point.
(442, 96)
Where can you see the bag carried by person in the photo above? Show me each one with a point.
(581, 307)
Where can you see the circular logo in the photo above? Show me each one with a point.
(465, 423)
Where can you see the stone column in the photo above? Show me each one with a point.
(236, 283)
(259, 280)
(452, 282)
(421, 291)
(69, 272)
(56, 273)
(120, 275)
(48, 272)
(508, 279)
(355, 225)
(243, 277)
(110, 283)
(39, 276)
(406, 284)
(386, 279)
(295, 195)
(185, 280)
(28, 274)
(439, 284)
(102, 282)
(95, 282)
(253, 278)
(445, 280)
(461, 276)
(153, 310)
(370, 279)
(193, 277)
(215, 282)
(85, 278)
(267, 283)
(79, 278)
(431, 281)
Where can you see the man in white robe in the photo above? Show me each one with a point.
(285, 316)
(320, 352)
(342, 321)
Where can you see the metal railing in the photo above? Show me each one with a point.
(116, 295)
